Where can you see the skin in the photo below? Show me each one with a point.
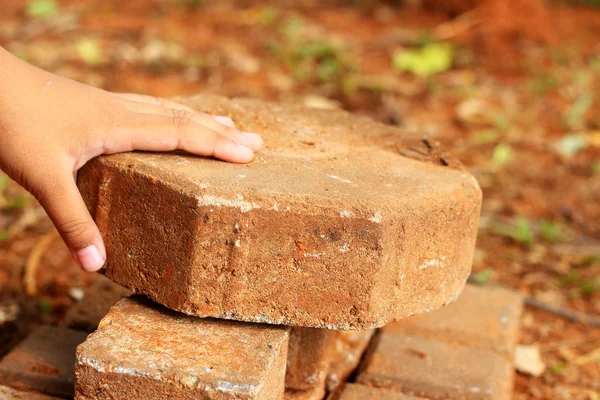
(50, 126)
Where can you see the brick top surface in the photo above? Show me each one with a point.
(141, 340)
(340, 222)
(481, 317)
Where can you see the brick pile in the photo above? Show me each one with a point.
(269, 280)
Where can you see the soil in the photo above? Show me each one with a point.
(519, 107)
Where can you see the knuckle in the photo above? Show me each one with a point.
(181, 120)
(75, 231)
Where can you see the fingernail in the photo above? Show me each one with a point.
(249, 152)
(252, 135)
(90, 258)
(224, 121)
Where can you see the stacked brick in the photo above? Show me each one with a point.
(268, 280)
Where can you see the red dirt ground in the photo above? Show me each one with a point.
(519, 107)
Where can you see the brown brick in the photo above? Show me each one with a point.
(144, 351)
(43, 362)
(481, 317)
(359, 392)
(292, 238)
(307, 361)
(461, 351)
(7, 393)
(346, 355)
(99, 298)
(437, 370)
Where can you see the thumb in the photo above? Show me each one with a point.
(65, 207)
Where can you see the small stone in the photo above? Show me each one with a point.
(529, 361)
(314, 250)
(144, 351)
(76, 293)
(43, 362)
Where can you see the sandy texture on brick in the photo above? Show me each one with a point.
(142, 350)
(333, 225)
(43, 362)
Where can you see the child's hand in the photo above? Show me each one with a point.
(51, 126)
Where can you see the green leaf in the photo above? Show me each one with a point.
(550, 231)
(4, 236)
(483, 276)
(16, 203)
(502, 154)
(89, 50)
(596, 167)
(45, 307)
(267, 15)
(575, 115)
(589, 287)
(427, 61)
(4, 181)
(485, 136)
(41, 8)
(557, 368)
(570, 145)
(520, 231)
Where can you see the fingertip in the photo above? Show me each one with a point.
(255, 139)
(234, 152)
(224, 121)
(90, 258)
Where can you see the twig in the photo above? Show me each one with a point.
(33, 261)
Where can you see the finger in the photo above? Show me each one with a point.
(152, 132)
(221, 125)
(65, 207)
(157, 101)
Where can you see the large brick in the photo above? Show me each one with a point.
(346, 355)
(481, 317)
(359, 392)
(43, 362)
(144, 351)
(461, 351)
(7, 393)
(99, 298)
(340, 222)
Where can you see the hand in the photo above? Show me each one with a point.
(51, 126)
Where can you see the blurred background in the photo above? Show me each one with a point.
(511, 87)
